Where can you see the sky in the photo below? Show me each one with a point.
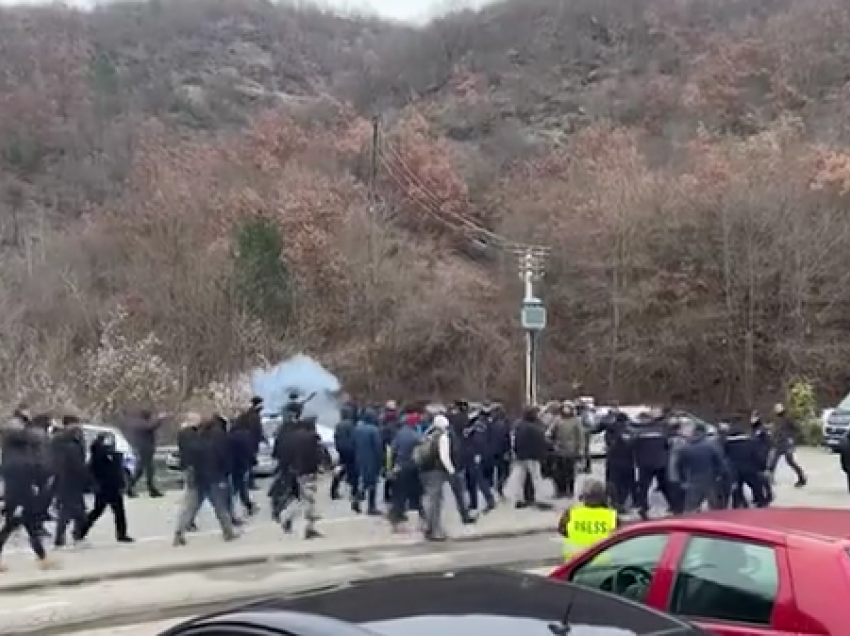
(405, 10)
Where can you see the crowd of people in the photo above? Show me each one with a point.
(391, 462)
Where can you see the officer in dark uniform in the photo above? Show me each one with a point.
(619, 458)
(763, 448)
(651, 457)
(741, 455)
(699, 465)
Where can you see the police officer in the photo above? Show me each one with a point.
(619, 459)
(676, 491)
(764, 446)
(652, 458)
(743, 463)
(588, 522)
(700, 465)
(106, 465)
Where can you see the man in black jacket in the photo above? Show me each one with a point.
(71, 479)
(207, 461)
(21, 505)
(530, 449)
(106, 465)
(300, 457)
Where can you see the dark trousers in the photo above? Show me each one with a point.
(16, 516)
(496, 471)
(239, 486)
(787, 453)
(564, 476)
(458, 494)
(71, 511)
(115, 502)
(474, 481)
(755, 483)
(145, 467)
(620, 481)
(646, 475)
(698, 492)
(407, 492)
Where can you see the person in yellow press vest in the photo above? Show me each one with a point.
(589, 522)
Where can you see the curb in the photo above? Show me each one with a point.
(200, 565)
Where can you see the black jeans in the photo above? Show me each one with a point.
(646, 475)
(786, 452)
(72, 511)
(114, 502)
(26, 516)
(239, 486)
(407, 492)
(564, 475)
(475, 481)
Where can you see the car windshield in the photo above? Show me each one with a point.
(844, 405)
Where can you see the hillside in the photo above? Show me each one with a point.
(184, 191)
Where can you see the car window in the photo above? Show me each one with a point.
(625, 568)
(726, 579)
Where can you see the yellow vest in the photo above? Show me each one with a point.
(588, 526)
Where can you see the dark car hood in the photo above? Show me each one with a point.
(481, 625)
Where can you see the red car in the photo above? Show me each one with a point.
(770, 572)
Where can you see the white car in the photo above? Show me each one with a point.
(122, 445)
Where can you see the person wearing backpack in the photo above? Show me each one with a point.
(433, 456)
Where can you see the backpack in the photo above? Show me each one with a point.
(427, 450)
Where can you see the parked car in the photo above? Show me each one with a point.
(637, 416)
(774, 571)
(122, 445)
(837, 424)
(477, 602)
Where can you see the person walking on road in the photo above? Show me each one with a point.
(71, 478)
(207, 466)
(301, 457)
(786, 432)
(21, 505)
(106, 466)
(142, 430)
(433, 457)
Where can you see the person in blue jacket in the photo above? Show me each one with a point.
(369, 459)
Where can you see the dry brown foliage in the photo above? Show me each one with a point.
(687, 161)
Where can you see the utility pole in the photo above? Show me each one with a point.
(532, 262)
(374, 211)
